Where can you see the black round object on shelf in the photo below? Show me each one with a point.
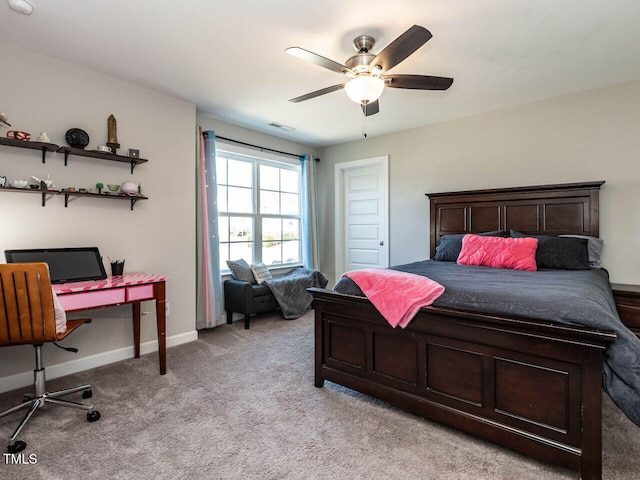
(76, 137)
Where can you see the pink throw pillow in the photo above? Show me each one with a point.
(61, 315)
(499, 252)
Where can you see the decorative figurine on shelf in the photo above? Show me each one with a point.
(18, 135)
(44, 138)
(130, 188)
(77, 138)
(112, 134)
(99, 186)
(44, 184)
(3, 118)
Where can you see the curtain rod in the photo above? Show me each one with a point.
(259, 147)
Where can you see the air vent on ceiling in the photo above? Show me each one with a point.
(279, 125)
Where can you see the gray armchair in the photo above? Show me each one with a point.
(248, 299)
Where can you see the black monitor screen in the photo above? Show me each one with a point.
(65, 264)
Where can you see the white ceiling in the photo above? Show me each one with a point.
(228, 57)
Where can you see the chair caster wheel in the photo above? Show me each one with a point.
(87, 394)
(93, 416)
(17, 447)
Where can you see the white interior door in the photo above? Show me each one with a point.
(362, 211)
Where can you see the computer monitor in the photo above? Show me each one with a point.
(65, 264)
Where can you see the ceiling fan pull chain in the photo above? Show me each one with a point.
(364, 121)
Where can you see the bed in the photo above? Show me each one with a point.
(532, 385)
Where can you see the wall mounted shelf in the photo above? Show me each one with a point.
(42, 146)
(121, 196)
(51, 147)
(80, 152)
(46, 194)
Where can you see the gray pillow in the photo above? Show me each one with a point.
(261, 272)
(561, 253)
(240, 270)
(449, 247)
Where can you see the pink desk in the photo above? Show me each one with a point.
(130, 288)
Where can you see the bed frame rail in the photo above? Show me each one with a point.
(528, 385)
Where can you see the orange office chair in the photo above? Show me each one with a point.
(27, 316)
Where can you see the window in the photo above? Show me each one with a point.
(258, 210)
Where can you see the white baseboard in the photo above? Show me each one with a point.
(25, 379)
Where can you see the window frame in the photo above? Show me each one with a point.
(256, 216)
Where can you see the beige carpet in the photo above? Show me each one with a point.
(240, 404)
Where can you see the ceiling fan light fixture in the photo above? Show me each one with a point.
(21, 6)
(364, 89)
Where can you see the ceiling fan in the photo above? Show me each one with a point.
(367, 71)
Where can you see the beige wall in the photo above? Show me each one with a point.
(42, 93)
(588, 136)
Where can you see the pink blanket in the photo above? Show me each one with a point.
(397, 295)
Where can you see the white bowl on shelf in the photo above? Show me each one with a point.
(18, 183)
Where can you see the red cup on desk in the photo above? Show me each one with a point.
(117, 268)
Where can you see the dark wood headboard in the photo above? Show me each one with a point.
(570, 208)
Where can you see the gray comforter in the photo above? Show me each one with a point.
(290, 290)
(576, 297)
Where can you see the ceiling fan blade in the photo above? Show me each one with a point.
(417, 82)
(317, 93)
(370, 108)
(317, 59)
(402, 47)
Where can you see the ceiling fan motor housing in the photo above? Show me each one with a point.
(360, 62)
(363, 43)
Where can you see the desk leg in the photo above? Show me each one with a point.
(136, 329)
(160, 295)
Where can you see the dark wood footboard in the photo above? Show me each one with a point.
(532, 386)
